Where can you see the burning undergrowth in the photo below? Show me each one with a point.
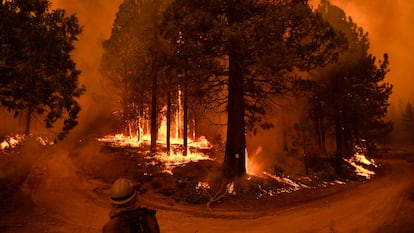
(362, 166)
(9, 143)
(197, 179)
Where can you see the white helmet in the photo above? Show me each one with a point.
(122, 191)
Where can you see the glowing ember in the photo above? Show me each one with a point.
(357, 161)
(230, 188)
(202, 185)
(120, 140)
(172, 160)
(284, 180)
(44, 141)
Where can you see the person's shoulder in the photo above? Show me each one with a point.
(143, 210)
(110, 226)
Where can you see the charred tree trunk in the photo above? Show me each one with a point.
(154, 127)
(234, 158)
(348, 140)
(319, 127)
(168, 135)
(185, 112)
(125, 100)
(339, 128)
(28, 120)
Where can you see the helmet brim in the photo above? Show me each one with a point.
(123, 201)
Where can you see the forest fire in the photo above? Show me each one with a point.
(170, 160)
(360, 162)
(252, 167)
(11, 142)
(173, 158)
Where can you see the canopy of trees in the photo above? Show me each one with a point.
(237, 56)
(258, 45)
(38, 75)
(350, 96)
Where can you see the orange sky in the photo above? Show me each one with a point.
(389, 24)
(96, 18)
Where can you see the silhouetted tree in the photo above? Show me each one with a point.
(123, 61)
(258, 44)
(355, 93)
(407, 120)
(134, 56)
(43, 79)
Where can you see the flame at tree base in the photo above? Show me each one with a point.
(169, 160)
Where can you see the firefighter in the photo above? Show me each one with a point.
(126, 216)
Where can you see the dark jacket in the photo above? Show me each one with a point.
(139, 220)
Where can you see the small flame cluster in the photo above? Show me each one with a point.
(360, 162)
(169, 160)
(11, 142)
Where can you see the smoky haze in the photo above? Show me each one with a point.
(96, 18)
(389, 24)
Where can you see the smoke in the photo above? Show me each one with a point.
(389, 26)
(96, 18)
(388, 23)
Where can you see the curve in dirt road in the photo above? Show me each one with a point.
(70, 203)
(365, 208)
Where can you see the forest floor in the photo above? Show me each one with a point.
(65, 188)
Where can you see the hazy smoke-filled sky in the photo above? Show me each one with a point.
(389, 24)
(96, 18)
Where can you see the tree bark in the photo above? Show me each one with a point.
(154, 127)
(234, 158)
(319, 126)
(185, 112)
(125, 99)
(339, 136)
(168, 135)
(28, 120)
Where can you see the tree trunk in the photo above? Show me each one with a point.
(234, 158)
(185, 113)
(154, 128)
(348, 140)
(168, 135)
(319, 127)
(125, 99)
(339, 136)
(28, 120)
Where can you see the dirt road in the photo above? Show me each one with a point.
(64, 200)
(371, 207)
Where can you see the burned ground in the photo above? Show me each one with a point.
(38, 194)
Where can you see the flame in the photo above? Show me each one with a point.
(358, 160)
(11, 142)
(202, 185)
(230, 188)
(252, 167)
(172, 160)
(175, 156)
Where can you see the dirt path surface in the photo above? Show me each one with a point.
(57, 197)
(371, 207)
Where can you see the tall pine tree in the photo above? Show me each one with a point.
(43, 79)
(258, 44)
